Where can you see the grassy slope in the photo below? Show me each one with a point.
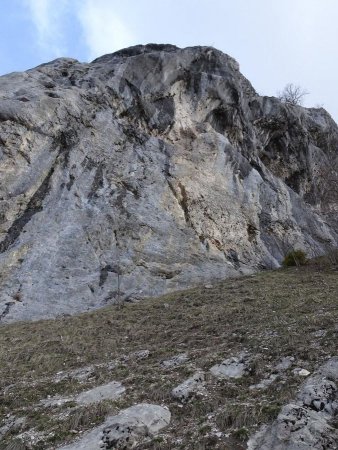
(271, 314)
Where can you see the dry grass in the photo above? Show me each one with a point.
(270, 315)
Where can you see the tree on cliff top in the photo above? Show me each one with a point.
(292, 94)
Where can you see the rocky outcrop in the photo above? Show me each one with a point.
(308, 422)
(149, 170)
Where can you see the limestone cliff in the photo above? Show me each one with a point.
(159, 164)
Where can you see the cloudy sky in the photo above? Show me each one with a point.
(274, 41)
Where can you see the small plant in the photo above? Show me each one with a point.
(295, 258)
(204, 429)
(241, 434)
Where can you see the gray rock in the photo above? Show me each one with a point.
(81, 374)
(134, 423)
(175, 361)
(285, 363)
(55, 401)
(101, 162)
(307, 422)
(264, 384)
(190, 387)
(300, 372)
(110, 391)
(234, 367)
(11, 423)
(125, 429)
(91, 440)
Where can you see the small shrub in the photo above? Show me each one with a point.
(294, 258)
(242, 434)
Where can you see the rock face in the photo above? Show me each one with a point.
(149, 170)
(308, 422)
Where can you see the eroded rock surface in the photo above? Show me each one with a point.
(190, 387)
(234, 367)
(134, 423)
(158, 166)
(109, 391)
(125, 429)
(307, 423)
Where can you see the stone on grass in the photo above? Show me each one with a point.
(125, 429)
(110, 391)
(234, 367)
(81, 374)
(134, 423)
(285, 363)
(192, 386)
(301, 372)
(175, 361)
(264, 384)
(141, 354)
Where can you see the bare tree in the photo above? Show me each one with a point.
(292, 94)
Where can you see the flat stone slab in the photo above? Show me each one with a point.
(134, 423)
(109, 391)
(234, 367)
(125, 429)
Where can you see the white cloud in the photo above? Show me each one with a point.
(47, 17)
(104, 31)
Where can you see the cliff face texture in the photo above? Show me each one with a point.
(149, 170)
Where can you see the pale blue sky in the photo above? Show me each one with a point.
(274, 41)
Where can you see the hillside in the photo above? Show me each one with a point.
(282, 323)
(150, 170)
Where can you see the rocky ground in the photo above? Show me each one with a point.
(204, 368)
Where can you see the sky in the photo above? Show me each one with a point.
(275, 41)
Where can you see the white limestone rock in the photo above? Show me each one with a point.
(190, 387)
(109, 391)
(234, 367)
(305, 423)
(125, 429)
(133, 423)
(156, 165)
